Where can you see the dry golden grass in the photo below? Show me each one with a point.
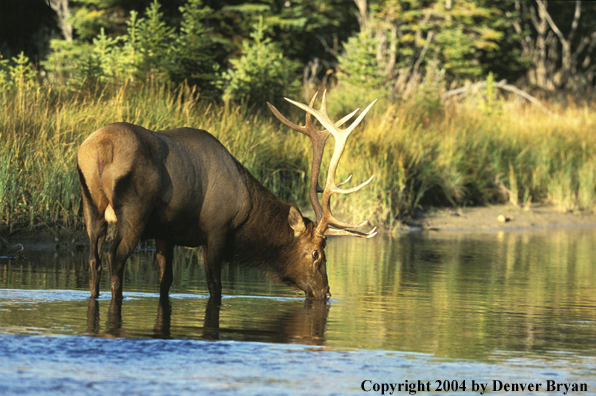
(423, 152)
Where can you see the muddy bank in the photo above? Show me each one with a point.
(41, 237)
(488, 218)
(496, 217)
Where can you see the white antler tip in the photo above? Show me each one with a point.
(312, 101)
(345, 181)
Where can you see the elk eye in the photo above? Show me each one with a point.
(315, 255)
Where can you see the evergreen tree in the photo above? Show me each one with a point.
(192, 56)
(262, 73)
(358, 63)
(399, 37)
(154, 38)
(18, 73)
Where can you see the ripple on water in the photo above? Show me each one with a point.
(86, 365)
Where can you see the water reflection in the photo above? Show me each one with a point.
(459, 295)
(467, 295)
(300, 322)
(163, 322)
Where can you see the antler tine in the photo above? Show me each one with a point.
(353, 189)
(346, 118)
(302, 129)
(331, 220)
(335, 231)
(329, 190)
(360, 117)
(343, 182)
(319, 114)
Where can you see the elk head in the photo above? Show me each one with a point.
(309, 266)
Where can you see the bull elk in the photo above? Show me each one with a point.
(183, 187)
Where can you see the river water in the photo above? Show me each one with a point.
(510, 310)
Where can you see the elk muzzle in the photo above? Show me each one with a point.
(322, 295)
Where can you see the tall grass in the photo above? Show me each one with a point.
(422, 152)
(42, 130)
(426, 152)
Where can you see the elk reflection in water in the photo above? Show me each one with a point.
(300, 322)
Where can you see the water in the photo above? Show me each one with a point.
(447, 309)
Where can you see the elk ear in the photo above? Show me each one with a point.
(295, 220)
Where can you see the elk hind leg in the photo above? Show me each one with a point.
(131, 223)
(165, 255)
(96, 242)
(96, 229)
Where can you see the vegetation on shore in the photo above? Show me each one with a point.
(422, 151)
(448, 129)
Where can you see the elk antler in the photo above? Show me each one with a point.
(318, 139)
(341, 137)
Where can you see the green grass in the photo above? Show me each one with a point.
(422, 152)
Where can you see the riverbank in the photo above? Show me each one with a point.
(486, 218)
(422, 152)
(497, 217)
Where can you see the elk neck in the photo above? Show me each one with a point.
(265, 235)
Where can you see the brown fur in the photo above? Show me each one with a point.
(182, 187)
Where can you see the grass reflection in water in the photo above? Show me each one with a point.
(480, 296)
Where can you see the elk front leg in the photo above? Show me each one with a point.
(165, 255)
(213, 254)
(211, 321)
(164, 318)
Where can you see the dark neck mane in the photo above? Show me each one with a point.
(259, 241)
